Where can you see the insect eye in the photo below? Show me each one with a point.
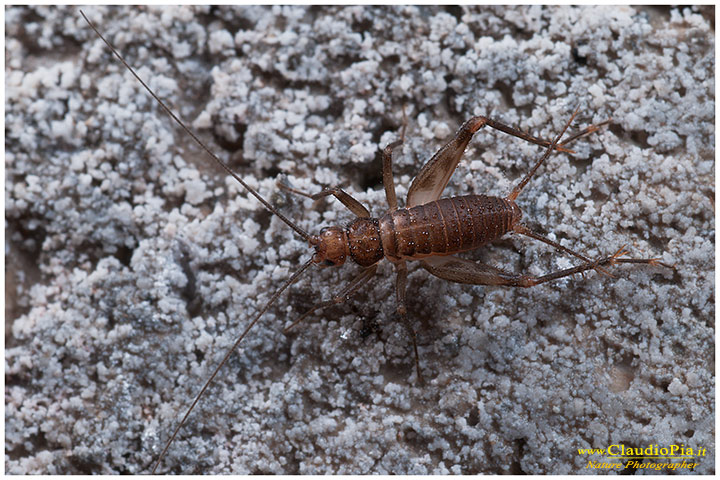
(328, 263)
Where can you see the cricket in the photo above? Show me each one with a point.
(430, 229)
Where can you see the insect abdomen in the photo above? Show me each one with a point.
(446, 226)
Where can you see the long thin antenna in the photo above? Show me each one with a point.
(247, 187)
(275, 296)
(252, 191)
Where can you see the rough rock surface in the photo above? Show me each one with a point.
(132, 261)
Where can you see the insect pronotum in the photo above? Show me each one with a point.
(429, 229)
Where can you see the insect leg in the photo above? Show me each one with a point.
(435, 174)
(518, 188)
(388, 181)
(341, 297)
(460, 270)
(353, 205)
(523, 230)
(586, 131)
(400, 291)
(545, 143)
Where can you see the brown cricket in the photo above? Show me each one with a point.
(430, 229)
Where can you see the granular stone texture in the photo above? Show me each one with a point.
(133, 261)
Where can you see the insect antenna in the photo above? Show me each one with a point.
(247, 187)
(295, 276)
(275, 296)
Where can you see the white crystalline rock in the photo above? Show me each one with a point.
(133, 261)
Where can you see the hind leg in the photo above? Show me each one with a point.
(400, 291)
(460, 270)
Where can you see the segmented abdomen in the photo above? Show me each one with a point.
(446, 226)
